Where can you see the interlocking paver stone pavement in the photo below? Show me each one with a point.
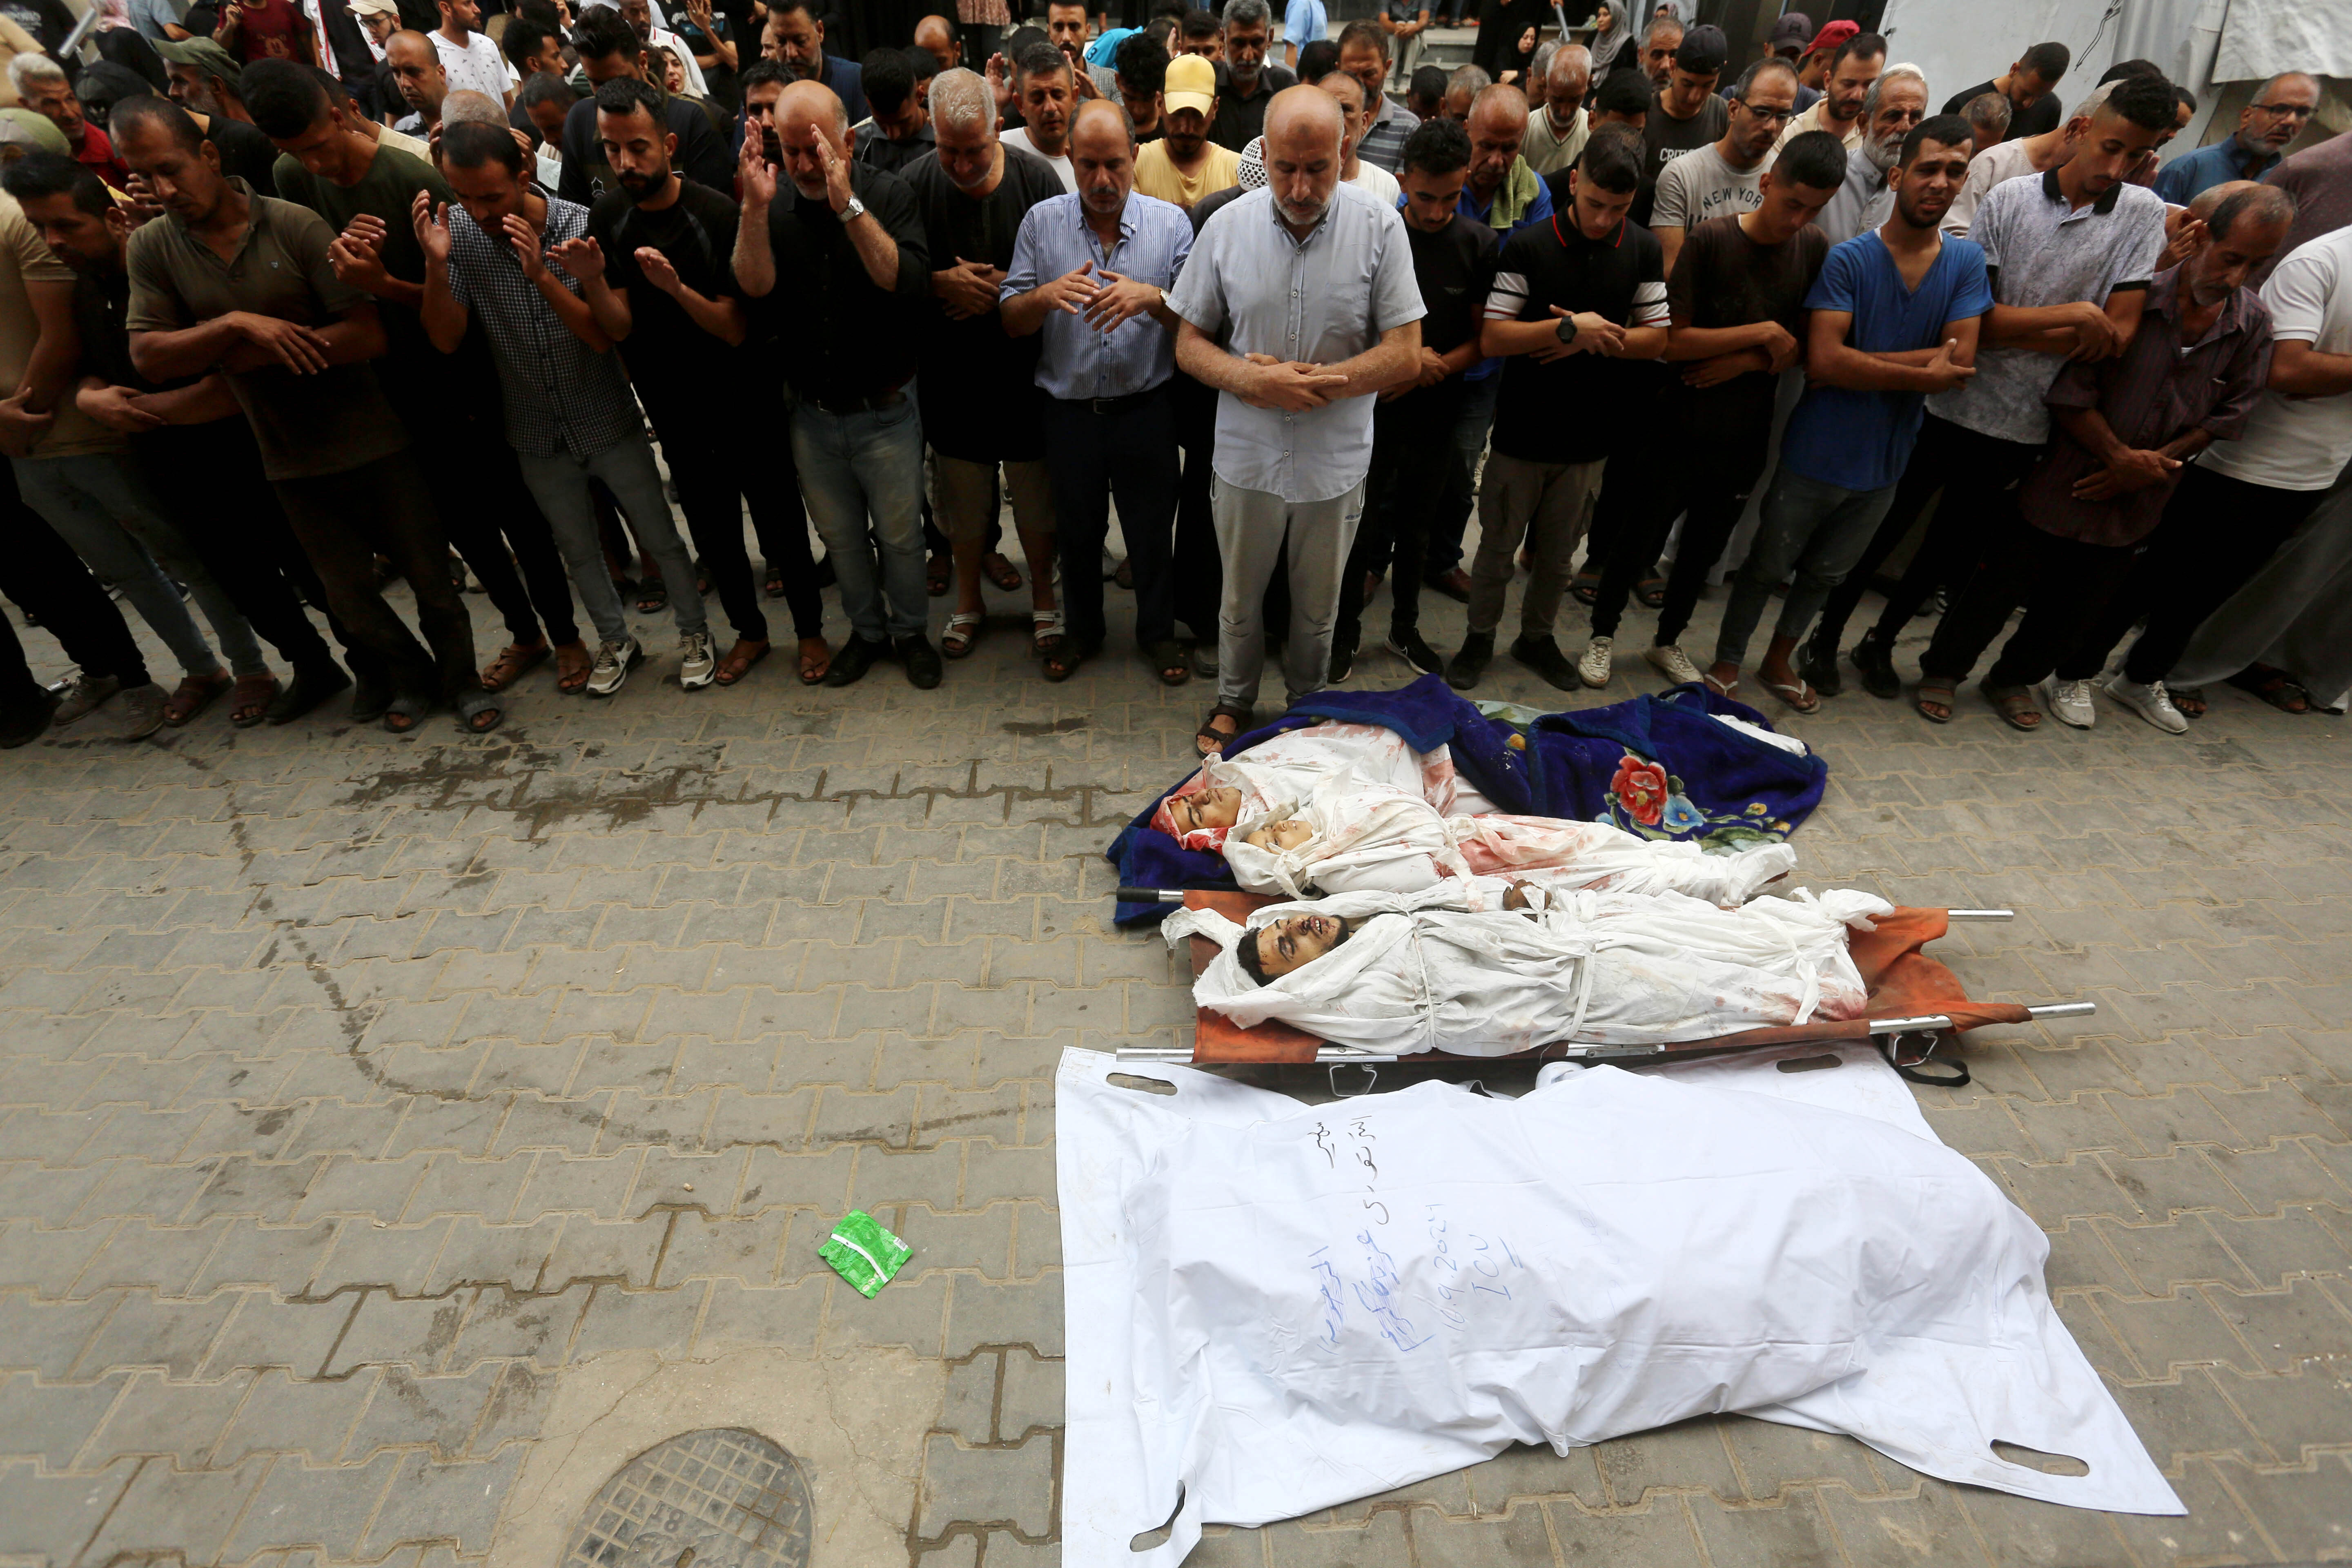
(355, 1092)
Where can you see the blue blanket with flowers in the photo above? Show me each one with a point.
(1659, 765)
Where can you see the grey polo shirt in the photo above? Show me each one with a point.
(2040, 251)
(1861, 204)
(1255, 289)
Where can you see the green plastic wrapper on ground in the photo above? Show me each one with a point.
(863, 1253)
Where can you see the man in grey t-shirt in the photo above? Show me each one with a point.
(1297, 303)
(1724, 175)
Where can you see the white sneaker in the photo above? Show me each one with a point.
(1593, 668)
(696, 663)
(1674, 664)
(2070, 702)
(2151, 702)
(613, 661)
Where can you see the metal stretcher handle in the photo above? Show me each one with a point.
(1150, 895)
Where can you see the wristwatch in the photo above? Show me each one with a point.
(854, 211)
(1566, 330)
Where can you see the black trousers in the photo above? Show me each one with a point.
(705, 462)
(343, 522)
(1412, 454)
(1128, 452)
(47, 581)
(477, 491)
(209, 481)
(1638, 509)
(1708, 479)
(1974, 473)
(2217, 533)
(2062, 583)
(763, 445)
(1199, 567)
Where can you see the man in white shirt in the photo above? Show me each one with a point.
(1049, 93)
(468, 57)
(1557, 135)
(1356, 117)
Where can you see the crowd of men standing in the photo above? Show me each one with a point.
(298, 326)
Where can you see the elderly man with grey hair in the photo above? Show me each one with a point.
(981, 404)
(1556, 133)
(42, 87)
(1246, 80)
(1297, 304)
(1897, 101)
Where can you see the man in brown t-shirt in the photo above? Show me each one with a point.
(1736, 301)
(239, 283)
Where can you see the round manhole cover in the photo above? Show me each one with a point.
(731, 1497)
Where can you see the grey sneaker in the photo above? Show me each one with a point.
(696, 663)
(142, 710)
(2070, 702)
(1670, 660)
(1593, 668)
(2151, 702)
(84, 697)
(613, 661)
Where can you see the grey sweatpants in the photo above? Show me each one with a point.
(1252, 526)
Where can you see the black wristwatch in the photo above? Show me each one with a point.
(1565, 329)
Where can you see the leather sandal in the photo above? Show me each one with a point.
(573, 666)
(1168, 662)
(514, 661)
(1934, 699)
(1000, 571)
(1209, 739)
(815, 660)
(2013, 703)
(192, 696)
(939, 571)
(478, 712)
(740, 660)
(249, 699)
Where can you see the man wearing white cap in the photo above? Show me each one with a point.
(1184, 165)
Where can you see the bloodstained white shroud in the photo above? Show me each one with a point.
(1275, 1308)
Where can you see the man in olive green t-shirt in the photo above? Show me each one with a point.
(240, 282)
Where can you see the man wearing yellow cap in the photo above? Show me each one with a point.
(1184, 165)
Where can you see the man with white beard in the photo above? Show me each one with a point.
(1897, 101)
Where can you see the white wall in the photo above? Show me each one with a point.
(1959, 43)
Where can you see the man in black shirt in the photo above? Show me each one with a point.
(1737, 298)
(1572, 298)
(610, 50)
(1684, 112)
(846, 250)
(900, 131)
(1246, 83)
(188, 436)
(656, 270)
(1412, 426)
(981, 405)
(2032, 87)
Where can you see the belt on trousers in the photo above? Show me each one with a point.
(1108, 406)
(874, 403)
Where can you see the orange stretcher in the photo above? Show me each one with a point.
(1915, 1004)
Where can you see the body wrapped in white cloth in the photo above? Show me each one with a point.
(1345, 808)
(1451, 969)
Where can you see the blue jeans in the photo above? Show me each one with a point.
(98, 504)
(861, 465)
(1815, 530)
(560, 483)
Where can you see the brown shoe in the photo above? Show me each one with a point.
(1454, 584)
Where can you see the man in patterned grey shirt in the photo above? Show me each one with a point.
(569, 416)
